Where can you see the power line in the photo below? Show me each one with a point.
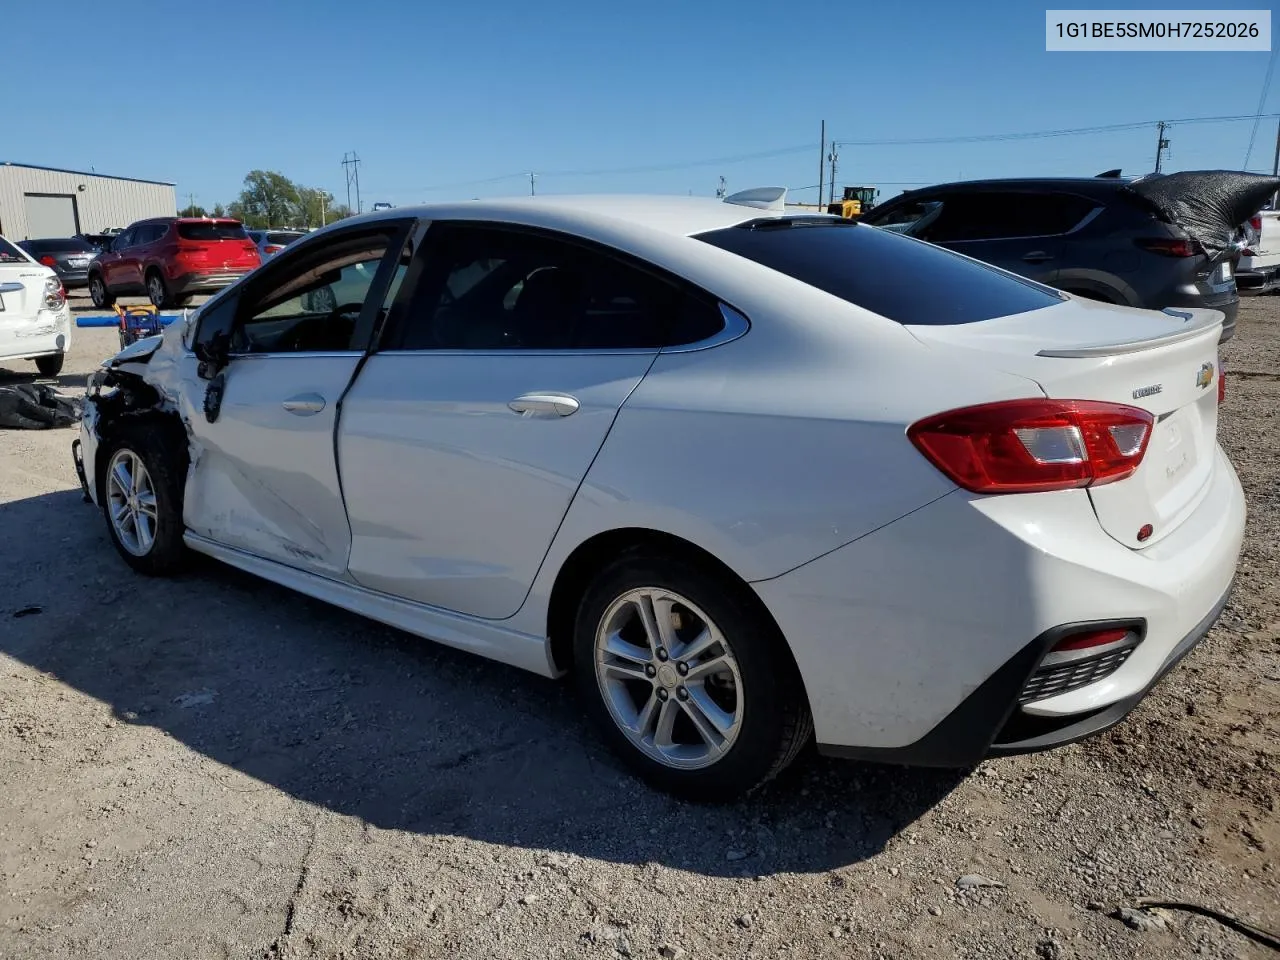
(1262, 102)
(786, 151)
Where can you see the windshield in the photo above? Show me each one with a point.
(905, 280)
(212, 230)
(282, 238)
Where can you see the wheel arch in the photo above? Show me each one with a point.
(111, 427)
(576, 572)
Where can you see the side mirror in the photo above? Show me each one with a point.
(212, 345)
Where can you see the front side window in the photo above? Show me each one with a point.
(312, 303)
(489, 288)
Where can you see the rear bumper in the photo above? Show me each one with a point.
(74, 279)
(1262, 280)
(50, 333)
(189, 283)
(913, 641)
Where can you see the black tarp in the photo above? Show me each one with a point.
(36, 406)
(1209, 205)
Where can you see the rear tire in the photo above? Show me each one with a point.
(158, 290)
(99, 294)
(140, 491)
(712, 711)
(51, 366)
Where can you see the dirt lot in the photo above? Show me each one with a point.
(215, 767)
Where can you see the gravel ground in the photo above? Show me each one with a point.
(215, 767)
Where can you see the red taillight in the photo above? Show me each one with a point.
(1021, 446)
(1222, 383)
(1169, 246)
(1256, 223)
(1095, 638)
(272, 248)
(48, 261)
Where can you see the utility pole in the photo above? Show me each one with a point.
(191, 202)
(833, 156)
(1161, 144)
(532, 177)
(324, 201)
(822, 153)
(1275, 166)
(351, 166)
(720, 190)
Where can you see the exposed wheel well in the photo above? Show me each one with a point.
(127, 421)
(578, 569)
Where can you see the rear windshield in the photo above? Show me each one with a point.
(905, 280)
(212, 231)
(282, 238)
(10, 254)
(69, 245)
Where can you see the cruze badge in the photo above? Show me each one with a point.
(1205, 376)
(1150, 391)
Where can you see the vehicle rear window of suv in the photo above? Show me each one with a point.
(69, 245)
(282, 238)
(902, 279)
(212, 231)
(9, 253)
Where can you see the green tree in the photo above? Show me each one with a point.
(219, 210)
(195, 210)
(314, 208)
(269, 199)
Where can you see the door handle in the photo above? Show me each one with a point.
(544, 405)
(1037, 256)
(304, 404)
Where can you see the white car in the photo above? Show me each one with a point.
(752, 478)
(35, 321)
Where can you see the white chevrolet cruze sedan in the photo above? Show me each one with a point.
(753, 478)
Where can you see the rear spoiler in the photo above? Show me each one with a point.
(1194, 323)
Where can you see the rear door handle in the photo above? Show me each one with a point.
(1037, 256)
(304, 404)
(544, 405)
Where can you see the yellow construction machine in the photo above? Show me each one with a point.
(855, 202)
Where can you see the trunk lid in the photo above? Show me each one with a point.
(1163, 362)
(21, 291)
(215, 245)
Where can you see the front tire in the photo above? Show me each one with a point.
(687, 679)
(51, 366)
(99, 294)
(141, 497)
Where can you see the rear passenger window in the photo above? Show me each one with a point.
(999, 216)
(489, 288)
(896, 277)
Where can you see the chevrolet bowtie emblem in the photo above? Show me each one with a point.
(1205, 376)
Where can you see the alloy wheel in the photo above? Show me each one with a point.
(669, 678)
(155, 290)
(131, 502)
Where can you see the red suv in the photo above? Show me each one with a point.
(171, 259)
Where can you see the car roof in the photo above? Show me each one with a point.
(1098, 186)
(678, 216)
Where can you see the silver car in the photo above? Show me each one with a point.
(271, 242)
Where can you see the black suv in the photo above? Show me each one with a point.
(1095, 237)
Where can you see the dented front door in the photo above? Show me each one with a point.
(265, 478)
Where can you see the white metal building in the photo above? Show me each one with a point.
(38, 202)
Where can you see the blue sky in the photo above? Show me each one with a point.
(434, 95)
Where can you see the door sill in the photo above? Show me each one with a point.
(483, 637)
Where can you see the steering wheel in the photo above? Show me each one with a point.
(320, 328)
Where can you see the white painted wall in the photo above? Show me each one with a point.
(104, 202)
